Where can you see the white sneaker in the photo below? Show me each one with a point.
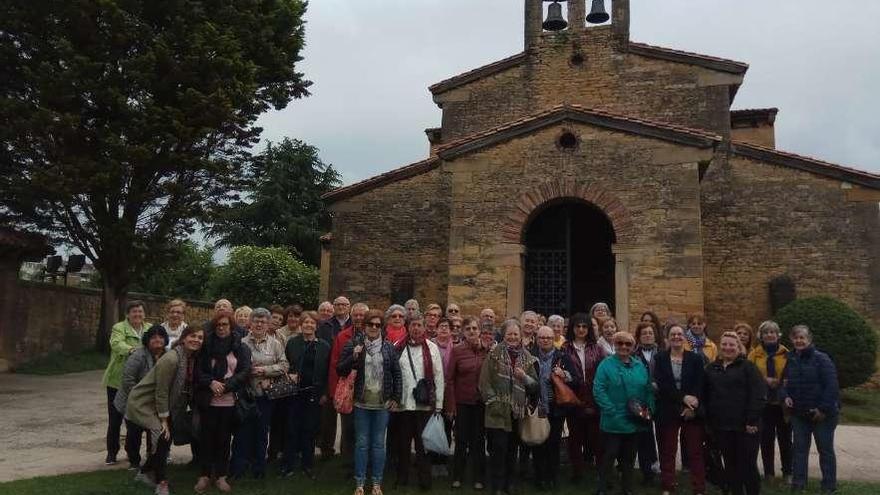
(655, 468)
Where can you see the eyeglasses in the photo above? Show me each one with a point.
(373, 324)
(624, 344)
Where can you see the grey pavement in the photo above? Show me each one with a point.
(56, 425)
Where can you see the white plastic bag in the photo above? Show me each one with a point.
(434, 436)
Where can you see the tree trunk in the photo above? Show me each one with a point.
(112, 300)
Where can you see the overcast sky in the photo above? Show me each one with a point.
(372, 61)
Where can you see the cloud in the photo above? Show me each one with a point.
(372, 61)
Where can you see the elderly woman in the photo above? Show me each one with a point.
(646, 351)
(174, 320)
(810, 391)
(746, 337)
(377, 390)
(680, 376)
(529, 322)
(584, 439)
(464, 405)
(158, 404)
(507, 378)
(125, 338)
(138, 364)
(243, 317)
(444, 340)
(325, 311)
(432, 317)
(224, 372)
(735, 395)
(607, 330)
(622, 385)
(395, 324)
(600, 311)
(309, 360)
(453, 311)
(550, 362)
(770, 357)
(268, 363)
(557, 323)
(412, 308)
(419, 360)
(697, 339)
(291, 324)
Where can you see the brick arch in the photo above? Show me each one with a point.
(531, 202)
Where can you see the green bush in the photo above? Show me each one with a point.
(837, 330)
(261, 276)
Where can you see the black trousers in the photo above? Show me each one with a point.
(327, 437)
(740, 453)
(114, 424)
(622, 448)
(133, 435)
(502, 461)
(157, 461)
(217, 424)
(774, 428)
(647, 450)
(278, 428)
(410, 425)
(470, 442)
(303, 423)
(546, 455)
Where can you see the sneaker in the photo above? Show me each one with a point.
(655, 468)
(202, 484)
(134, 466)
(478, 486)
(110, 460)
(145, 478)
(162, 489)
(377, 490)
(456, 484)
(223, 485)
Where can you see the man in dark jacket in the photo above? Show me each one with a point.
(811, 392)
(328, 330)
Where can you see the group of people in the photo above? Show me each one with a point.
(252, 384)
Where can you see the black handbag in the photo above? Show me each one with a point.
(245, 406)
(185, 426)
(280, 387)
(424, 388)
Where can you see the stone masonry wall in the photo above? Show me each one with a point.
(762, 220)
(607, 78)
(401, 229)
(655, 181)
(52, 318)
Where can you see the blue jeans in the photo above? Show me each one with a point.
(369, 447)
(804, 431)
(251, 440)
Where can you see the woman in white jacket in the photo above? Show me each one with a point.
(421, 368)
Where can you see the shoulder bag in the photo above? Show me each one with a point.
(533, 429)
(422, 391)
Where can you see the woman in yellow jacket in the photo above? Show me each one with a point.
(770, 357)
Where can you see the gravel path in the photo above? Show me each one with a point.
(56, 425)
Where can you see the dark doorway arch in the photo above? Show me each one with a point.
(569, 262)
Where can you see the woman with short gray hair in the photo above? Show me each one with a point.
(395, 324)
(811, 393)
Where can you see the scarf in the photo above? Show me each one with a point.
(771, 349)
(515, 393)
(545, 366)
(217, 350)
(373, 367)
(697, 342)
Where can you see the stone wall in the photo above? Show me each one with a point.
(47, 318)
(761, 220)
(392, 233)
(607, 78)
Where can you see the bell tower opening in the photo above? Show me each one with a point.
(569, 263)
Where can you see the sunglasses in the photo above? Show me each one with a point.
(451, 310)
(373, 324)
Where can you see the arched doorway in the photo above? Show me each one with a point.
(569, 264)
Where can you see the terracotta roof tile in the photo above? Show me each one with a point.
(404, 172)
(478, 73)
(698, 58)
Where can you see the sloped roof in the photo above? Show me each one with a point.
(511, 130)
(749, 116)
(807, 164)
(643, 49)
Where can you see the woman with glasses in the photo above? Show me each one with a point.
(464, 405)
(771, 357)
(584, 439)
(625, 395)
(377, 390)
(174, 323)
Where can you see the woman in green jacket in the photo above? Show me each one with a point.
(125, 338)
(507, 379)
(159, 403)
(622, 382)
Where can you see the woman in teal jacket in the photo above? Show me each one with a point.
(620, 381)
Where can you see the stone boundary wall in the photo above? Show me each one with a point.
(47, 318)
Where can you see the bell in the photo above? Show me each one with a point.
(555, 21)
(597, 14)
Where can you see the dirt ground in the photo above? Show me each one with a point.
(56, 425)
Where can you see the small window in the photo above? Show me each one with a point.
(567, 141)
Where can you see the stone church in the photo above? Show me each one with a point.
(590, 167)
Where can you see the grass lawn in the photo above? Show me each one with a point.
(61, 363)
(860, 407)
(331, 481)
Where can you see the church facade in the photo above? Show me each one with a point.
(590, 167)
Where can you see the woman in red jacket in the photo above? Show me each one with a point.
(462, 402)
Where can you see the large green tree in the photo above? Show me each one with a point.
(185, 275)
(259, 276)
(123, 122)
(281, 203)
